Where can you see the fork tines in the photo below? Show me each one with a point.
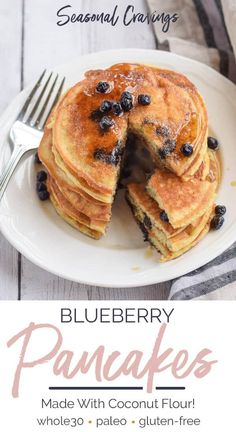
(39, 104)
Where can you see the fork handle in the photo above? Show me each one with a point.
(10, 168)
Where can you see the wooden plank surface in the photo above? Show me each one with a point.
(10, 84)
(44, 44)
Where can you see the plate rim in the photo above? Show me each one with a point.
(131, 283)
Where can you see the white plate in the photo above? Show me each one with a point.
(121, 258)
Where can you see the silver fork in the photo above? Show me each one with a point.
(27, 130)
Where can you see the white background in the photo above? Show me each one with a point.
(193, 326)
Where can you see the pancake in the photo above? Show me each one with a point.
(59, 171)
(84, 160)
(176, 106)
(82, 228)
(167, 255)
(183, 201)
(170, 242)
(77, 139)
(92, 210)
(77, 197)
(71, 212)
(178, 113)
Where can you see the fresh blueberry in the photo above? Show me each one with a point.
(102, 87)
(162, 131)
(217, 222)
(41, 176)
(40, 186)
(36, 158)
(187, 149)
(164, 216)
(126, 101)
(213, 143)
(117, 108)
(106, 123)
(43, 195)
(106, 106)
(127, 95)
(220, 210)
(170, 145)
(144, 99)
(126, 104)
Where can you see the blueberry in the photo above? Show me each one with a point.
(43, 195)
(187, 149)
(106, 123)
(36, 158)
(149, 121)
(96, 115)
(99, 154)
(213, 143)
(102, 87)
(170, 145)
(127, 95)
(119, 149)
(127, 104)
(40, 186)
(106, 106)
(126, 101)
(217, 222)
(144, 99)
(41, 176)
(144, 231)
(117, 108)
(164, 216)
(113, 158)
(163, 152)
(147, 222)
(220, 210)
(162, 131)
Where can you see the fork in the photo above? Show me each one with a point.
(27, 130)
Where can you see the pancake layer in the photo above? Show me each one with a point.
(170, 242)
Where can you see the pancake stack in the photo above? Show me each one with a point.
(84, 141)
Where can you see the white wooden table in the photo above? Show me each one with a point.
(30, 42)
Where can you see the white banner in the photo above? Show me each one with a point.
(91, 366)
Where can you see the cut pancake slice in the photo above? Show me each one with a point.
(170, 242)
(178, 115)
(94, 228)
(183, 201)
